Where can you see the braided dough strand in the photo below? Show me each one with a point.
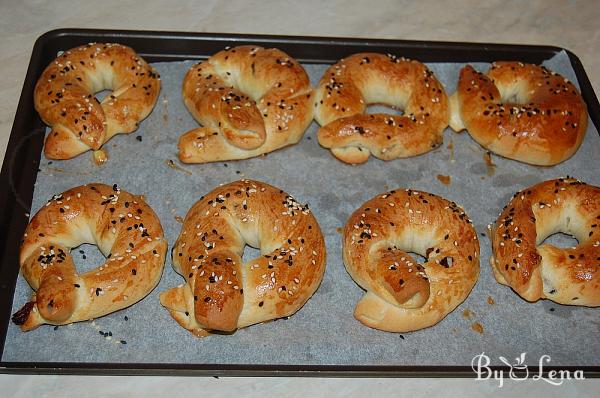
(403, 295)
(249, 100)
(349, 86)
(221, 292)
(124, 228)
(520, 111)
(543, 271)
(64, 97)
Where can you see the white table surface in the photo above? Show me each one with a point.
(570, 24)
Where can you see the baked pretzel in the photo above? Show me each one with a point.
(543, 271)
(403, 295)
(350, 85)
(520, 111)
(126, 231)
(64, 97)
(249, 100)
(221, 292)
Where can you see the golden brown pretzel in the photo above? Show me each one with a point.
(367, 78)
(249, 100)
(566, 276)
(222, 293)
(520, 111)
(64, 97)
(403, 295)
(126, 231)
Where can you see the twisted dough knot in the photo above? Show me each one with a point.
(64, 97)
(403, 295)
(567, 276)
(221, 292)
(249, 100)
(126, 231)
(349, 86)
(520, 111)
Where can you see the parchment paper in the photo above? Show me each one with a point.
(324, 331)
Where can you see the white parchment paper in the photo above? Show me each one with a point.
(324, 331)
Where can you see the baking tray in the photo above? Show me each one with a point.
(22, 160)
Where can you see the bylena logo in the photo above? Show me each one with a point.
(520, 371)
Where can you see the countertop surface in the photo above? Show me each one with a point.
(569, 24)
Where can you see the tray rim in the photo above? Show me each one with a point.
(20, 188)
(249, 370)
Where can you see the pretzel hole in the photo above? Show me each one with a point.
(102, 94)
(559, 229)
(250, 253)
(561, 240)
(384, 108)
(420, 259)
(515, 93)
(87, 257)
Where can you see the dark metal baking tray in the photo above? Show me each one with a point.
(20, 167)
